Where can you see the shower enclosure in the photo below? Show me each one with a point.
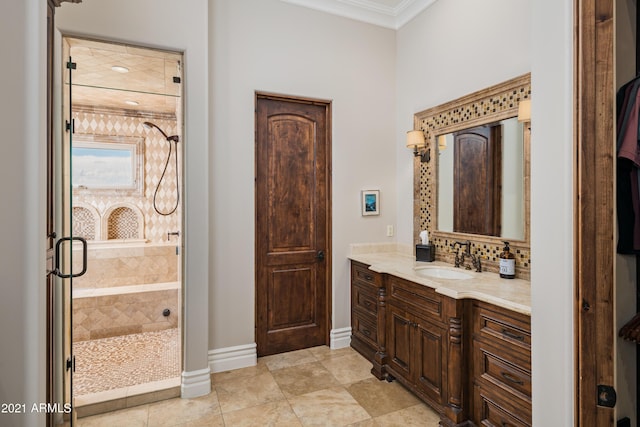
(123, 188)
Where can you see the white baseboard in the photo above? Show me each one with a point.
(196, 383)
(244, 356)
(226, 359)
(340, 338)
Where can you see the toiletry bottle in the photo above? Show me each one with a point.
(507, 263)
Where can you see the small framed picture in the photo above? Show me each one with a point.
(370, 202)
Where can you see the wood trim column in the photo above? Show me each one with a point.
(380, 358)
(594, 209)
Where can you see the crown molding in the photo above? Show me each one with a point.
(369, 11)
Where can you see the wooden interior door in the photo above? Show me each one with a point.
(292, 223)
(477, 195)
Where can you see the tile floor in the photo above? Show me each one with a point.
(312, 387)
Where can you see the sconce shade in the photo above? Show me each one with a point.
(415, 139)
(442, 143)
(524, 110)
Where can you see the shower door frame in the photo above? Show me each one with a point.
(60, 381)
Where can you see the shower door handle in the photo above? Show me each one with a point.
(57, 271)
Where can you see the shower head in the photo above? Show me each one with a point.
(150, 125)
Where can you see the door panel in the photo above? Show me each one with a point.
(477, 185)
(399, 341)
(431, 356)
(290, 209)
(292, 295)
(292, 223)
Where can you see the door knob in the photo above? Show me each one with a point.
(320, 255)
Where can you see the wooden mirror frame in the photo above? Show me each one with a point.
(489, 105)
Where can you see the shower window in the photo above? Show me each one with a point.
(108, 164)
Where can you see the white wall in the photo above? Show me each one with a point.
(451, 49)
(552, 229)
(268, 45)
(179, 26)
(22, 166)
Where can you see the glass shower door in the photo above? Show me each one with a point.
(70, 257)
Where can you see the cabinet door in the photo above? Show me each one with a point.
(430, 353)
(399, 330)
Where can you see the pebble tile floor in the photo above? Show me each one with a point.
(124, 361)
(311, 387)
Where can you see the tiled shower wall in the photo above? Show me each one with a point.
(126, 266)
(100, 309)
(128, 123)
(125, 291)
(106, 316)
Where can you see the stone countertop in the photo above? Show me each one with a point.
(513, 294)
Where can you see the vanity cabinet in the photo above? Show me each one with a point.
(469, 360)
(417, 338)
(501, 348)
(367, 288)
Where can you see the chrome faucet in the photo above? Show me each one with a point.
(459, 259)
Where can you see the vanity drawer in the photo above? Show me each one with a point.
(491, 409)
(364, 328)
(503, 370)
(422, 299)
(361, 274)
(503, 327)
(364, 299)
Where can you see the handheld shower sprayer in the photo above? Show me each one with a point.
(175, 139)
(150, 125)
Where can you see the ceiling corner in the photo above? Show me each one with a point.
(391, 14)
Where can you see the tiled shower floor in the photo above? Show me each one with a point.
(125, 361)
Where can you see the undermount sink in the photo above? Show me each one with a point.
(442, 273)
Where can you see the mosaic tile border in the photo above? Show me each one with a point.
(486, 106)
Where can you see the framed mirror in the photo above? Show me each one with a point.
(476, 186)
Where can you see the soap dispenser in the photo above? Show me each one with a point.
(507, 263)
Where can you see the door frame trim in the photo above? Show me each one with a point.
(594, 241)
(329, 233)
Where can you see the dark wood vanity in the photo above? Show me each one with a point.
(468, 359)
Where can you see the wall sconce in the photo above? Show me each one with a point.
(524, 110)
(415, 140)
